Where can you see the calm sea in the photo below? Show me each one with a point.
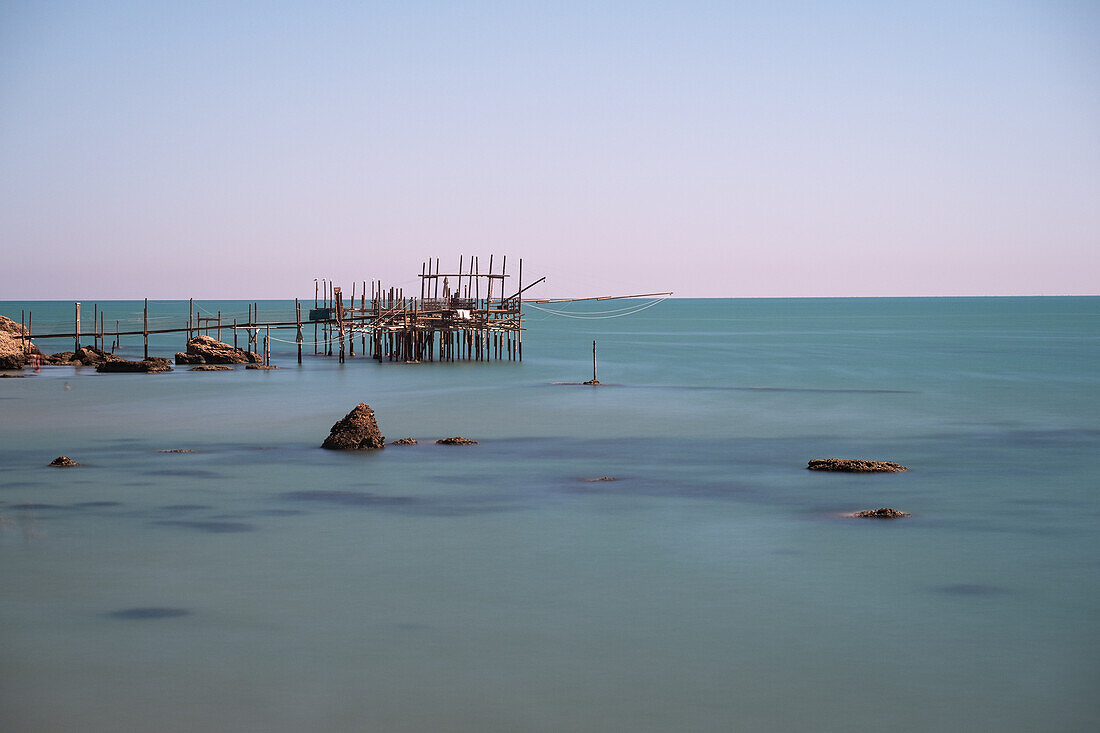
(262, 584)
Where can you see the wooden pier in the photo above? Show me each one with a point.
(466, 314)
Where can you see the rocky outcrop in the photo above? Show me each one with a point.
(264, 367)
(883, 513)
(208, 350)
(63, 462)
(149, 365)
(457, 440)
(854, 465)
(358, 430)
(12, 354)
(405, 441)
(210, 368)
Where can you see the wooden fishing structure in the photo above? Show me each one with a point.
(461, 315)
(467, 314)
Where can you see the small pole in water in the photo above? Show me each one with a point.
(145, 328)
(593, 380)
(298, 317)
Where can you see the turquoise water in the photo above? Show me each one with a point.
(713, 587)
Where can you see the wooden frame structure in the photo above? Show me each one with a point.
(462, 315)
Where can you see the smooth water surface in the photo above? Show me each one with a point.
(259, 583)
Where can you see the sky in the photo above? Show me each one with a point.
(714, 149)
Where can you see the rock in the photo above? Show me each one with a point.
(854, 465)
(208, 367)
(265, 367)
(150, 365)
(405, 441)
(12, 355)
(177, 450)
(883, 513)
(61, 358)
(457, 440)
(601, 478)
(64, 462)
(12, 376)
(358, 430)
(91, 356)
(208, 350)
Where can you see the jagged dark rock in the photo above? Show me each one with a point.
(358, 430)
(208, 350)
(600, 478)
(854, 465)
(150, 365)
(177, 450)
(209, 367)
(405, 441)
(883, 513)
(592, 382)
(457, 440)
(63, 462)
(264, 367)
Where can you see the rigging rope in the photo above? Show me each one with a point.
(593, 315)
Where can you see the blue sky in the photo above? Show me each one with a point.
(714, 149)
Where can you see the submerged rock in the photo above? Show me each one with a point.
(64, 462)
(208, 350)
(854, 465)
(358, 430)
(149, 365)
(883, 513)
(600, 478)
(457, 440)
(593, 382)
(208, 367)
(265, 367)
(405, 441)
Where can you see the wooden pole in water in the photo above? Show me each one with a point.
(219, 325)
(145, 328)
(519, 311)
(267, 347)
(234, 333)
(315, 290)
(298, 318)
(101, 330)
(95, 322)
(190, 318)
(593, 361)
(76, 337)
